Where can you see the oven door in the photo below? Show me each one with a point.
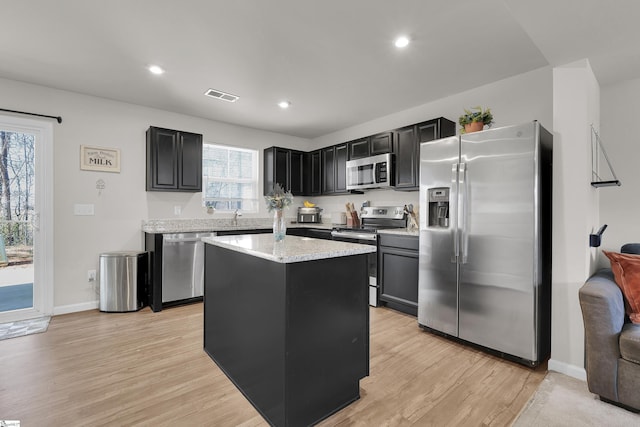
(364, 238)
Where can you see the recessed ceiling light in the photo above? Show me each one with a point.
(402, 41)
(155, 69)
(218, 94)
(284, 104)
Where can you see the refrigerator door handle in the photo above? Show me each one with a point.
(456, 239)
(463, 200)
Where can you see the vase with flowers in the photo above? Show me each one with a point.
(277, 200)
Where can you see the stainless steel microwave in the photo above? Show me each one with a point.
(370, 172)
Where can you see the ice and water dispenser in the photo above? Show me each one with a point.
(438, 207)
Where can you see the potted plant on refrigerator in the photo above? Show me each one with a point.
(475, 119)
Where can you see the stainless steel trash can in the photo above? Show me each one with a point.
(123, 277)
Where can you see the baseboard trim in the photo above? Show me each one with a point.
(73, 308)
(567, 369)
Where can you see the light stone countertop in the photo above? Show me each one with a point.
(160, 226)
(292, 249)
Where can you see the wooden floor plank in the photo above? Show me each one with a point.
(146, 368)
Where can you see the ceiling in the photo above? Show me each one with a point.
(334, 60)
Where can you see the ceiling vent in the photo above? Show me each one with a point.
(218, 94)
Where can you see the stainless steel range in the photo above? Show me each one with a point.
(372, 218)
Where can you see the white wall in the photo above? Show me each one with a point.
(619, 206)
(518, 99)
(124, 203)
(513, 100)
(576, 105)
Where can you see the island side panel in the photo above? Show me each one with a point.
(327, 336)
(153, 245)
(244, 318)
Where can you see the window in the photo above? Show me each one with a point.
(229, 178)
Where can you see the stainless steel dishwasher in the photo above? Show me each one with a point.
(182, 266)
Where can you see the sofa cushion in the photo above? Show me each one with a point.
(626, 270)
(630, 343)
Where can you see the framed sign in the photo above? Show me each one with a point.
(99, 159)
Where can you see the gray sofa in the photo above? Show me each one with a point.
(612, 342)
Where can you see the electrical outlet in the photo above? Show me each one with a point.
(177, 210)
(83, 209)
(91, 275)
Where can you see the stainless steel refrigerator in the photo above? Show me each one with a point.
(485, 240)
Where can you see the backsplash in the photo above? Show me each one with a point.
(330, 204)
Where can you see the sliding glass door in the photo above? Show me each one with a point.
(26, 196)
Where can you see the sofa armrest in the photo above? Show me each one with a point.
(603, 315)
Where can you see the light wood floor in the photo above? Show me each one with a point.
(145, 368)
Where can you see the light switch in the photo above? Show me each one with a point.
(80, 209)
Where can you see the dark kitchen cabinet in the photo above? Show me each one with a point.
(328, 170)
(312, 173)
(276, 168)
(292, 337)
(174, 160)
(324, 171)
(285, 167)
(382, 143)
(334, 169)
(407, 158)
(296, 172)
(398, 272)
(406, 147)
(359, 149)
(342, 155)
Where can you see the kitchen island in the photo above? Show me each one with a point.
(288, 322)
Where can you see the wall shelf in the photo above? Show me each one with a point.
(606, 183)
(596, 148)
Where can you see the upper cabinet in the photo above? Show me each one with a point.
(334, 169)
(174, 160)
(276, 168)
(296, 172)
(359, 149)
(406, 147)
(342, 155)
(324, 171)
(312, 172)
(328, 170)
(285, 167)
(382, 143)
(407, 162)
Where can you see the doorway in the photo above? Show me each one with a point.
(26, 196)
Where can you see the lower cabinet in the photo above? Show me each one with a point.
(398, 272)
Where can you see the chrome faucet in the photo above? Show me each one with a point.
(236, 214)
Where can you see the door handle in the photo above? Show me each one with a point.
(35, 221)
(454, 222)
(463, 201)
